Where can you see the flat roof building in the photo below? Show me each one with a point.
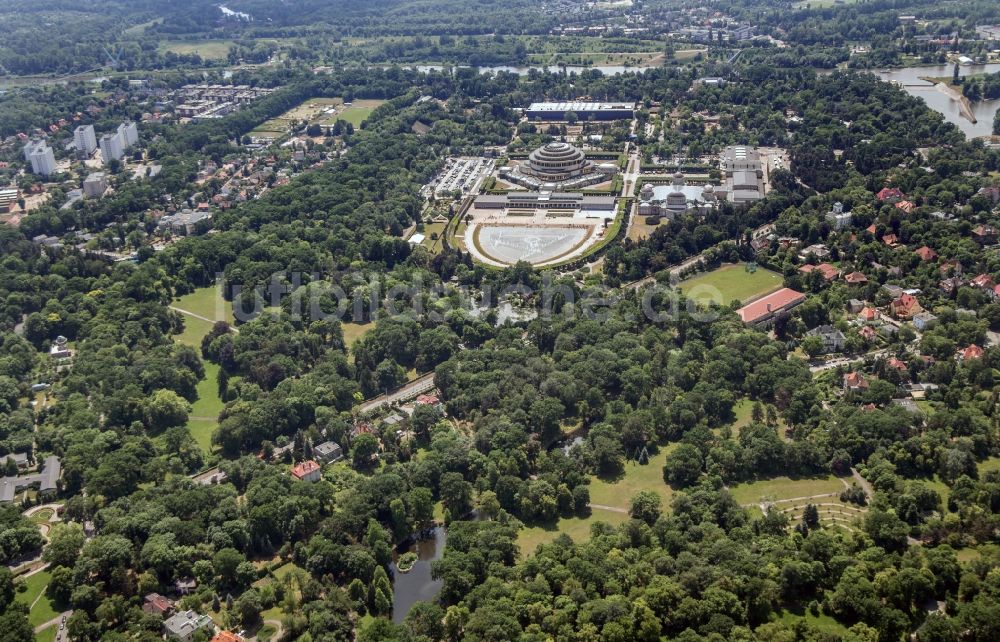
(583, 110)
(744, 174)
(85, 141)
(761, 312)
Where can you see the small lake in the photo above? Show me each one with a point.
(909, 78)
(418, 585)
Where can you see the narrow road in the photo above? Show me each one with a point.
(412, 389)
(53, 622)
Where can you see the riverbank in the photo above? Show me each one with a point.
(964, 104)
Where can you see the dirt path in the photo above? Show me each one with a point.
(613, 509)
(198, 316)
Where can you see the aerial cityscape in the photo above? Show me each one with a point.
(447, 320)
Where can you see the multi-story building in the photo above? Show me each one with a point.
(112, 147)
(39, 154)
(95, 184)
(86, 141)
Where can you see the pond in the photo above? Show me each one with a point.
(417, 585)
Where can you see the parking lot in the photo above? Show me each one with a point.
(462, 175)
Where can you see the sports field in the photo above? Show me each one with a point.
(354, 113)
(730, 282)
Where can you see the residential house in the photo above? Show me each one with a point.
(984, 234)
(226, 636)
(20, 459)
(898, 365)
(983, 282)
(856, 278)
(906, 206)
(828, 271)
(819, 250)
(838, 218)
(429, 400)
(969, 353)
(855, 382)
(833, 339)
(183, 626)
(888, 330)
(890, 195)
(891, 240)
(950, 285)
(924, 321)
(868, 333)
(926, 254)
(185, 585)
(156, 604)
(905, 307)
(855, 305)
(328, 451)
(308, 471)
(868, 314)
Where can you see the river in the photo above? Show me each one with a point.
(607, 70)
(939, 101)
(418, 585)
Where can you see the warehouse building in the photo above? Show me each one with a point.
(583, 110)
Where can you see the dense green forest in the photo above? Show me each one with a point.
(599, 477)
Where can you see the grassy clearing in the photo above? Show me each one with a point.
(42, 611)
(48, 634)
(619, 492)
(730, 282)
(434, 245)
(615, 493)
(989, 465)
(354, 331)
(576, 527)
(206, 302)
(822, 622)
(207, 49)
(780, 488)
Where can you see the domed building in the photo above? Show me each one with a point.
(556, 162)
(558, 165)
(668, 201)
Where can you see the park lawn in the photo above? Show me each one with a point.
(288, 569)
(988, 465)
(194, 330)
(354, 331)
(941, 488)
(207, 49)
(578, 528)
(730, 282)
(265, 633)
(48, 634)
(779, 488)
(42, 611)
(42, 516)
(434, 245)
(822, 622)
(206, 302)
(637, 477)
